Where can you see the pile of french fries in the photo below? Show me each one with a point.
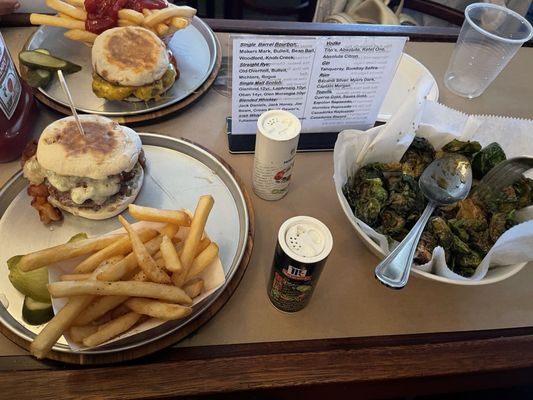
(71, 15)
(126, 278)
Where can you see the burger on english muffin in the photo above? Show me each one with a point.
(94, 175)
(131, 63)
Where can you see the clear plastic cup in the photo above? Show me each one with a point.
(490, 36)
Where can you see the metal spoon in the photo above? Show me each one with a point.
(444, 181)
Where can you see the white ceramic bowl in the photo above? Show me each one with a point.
(493, 274)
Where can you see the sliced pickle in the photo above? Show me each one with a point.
(36, 312)
(41, 50)
(38, 77)
(39, 60)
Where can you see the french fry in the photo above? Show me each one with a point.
(202, 260)
(158, 16)
(65, 251)
(160, 261)
(128, 264)
(125, 22)
(99, 307)
(203, 208)
(193, 287)
(162, 29)
(180, 22)
(106, 265)
(170, 230)
(76, 3)
(176, 217)
(66, 16)
(145, 260)
(74, 277)
(158, 309)
(112, 329)
(170, 255)
(80, 35)
(104, 304)
(68, 9)
(171, 31)
(118, 311)
(140, 276)
(78, 333)
(122, 246)
(152, 290)
(131, 15)
(53, 330)
(204, 242)
(43, 19)
(178, 279)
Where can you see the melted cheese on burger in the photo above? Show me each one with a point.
(110, 91)
(81, 189)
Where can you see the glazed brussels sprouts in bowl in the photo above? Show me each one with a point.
(386, 198)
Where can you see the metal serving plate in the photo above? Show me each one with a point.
(177, 173)
(195, 49)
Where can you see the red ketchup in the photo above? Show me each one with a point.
(103, 14)
(16, 108)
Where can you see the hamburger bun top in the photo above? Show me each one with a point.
(106, 149)
(129, 56)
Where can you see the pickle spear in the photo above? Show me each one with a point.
(38, 77)
(39, 60)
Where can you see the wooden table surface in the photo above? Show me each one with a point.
(355, 336)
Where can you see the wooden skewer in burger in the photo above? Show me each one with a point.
(131, 63)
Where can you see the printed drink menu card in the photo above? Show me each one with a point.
(329, 83)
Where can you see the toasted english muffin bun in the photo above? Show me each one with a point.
(106, 149)
(129, 56)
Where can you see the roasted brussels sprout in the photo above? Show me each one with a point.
(442, 232)
(469, 209)
(481, 242)
(484, 160)
(499, 223)
(368, 211)
(368, 197)
(467, 148)
(404, 194)
(424, 248)
(523, 188)
(392, 224)
(417, 157)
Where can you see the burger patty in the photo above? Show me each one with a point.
(127, 184)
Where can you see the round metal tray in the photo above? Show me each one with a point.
(197, 52)
(177, 173)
